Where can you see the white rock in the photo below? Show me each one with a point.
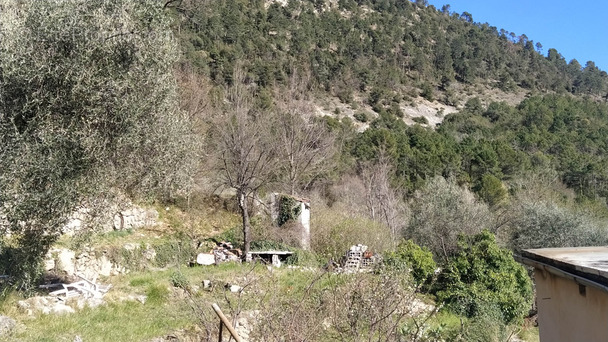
(61, 259)
(61, 309)
(205, 259)
(235, 288)
(206, 284)
(140, 298)
(89, 302)
(130, 246)
(6, 325)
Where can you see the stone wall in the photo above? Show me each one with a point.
(129, 217)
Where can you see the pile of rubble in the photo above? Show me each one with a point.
(222, 252)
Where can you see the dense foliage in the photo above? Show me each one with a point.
(410, 257)
(482, 145)
(483, 274)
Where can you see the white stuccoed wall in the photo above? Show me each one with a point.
(305, 222)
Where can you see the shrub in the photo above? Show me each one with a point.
(483, 275)
(491, 190)
(421, 120)
(427, 92)
(173, 252)
(178, 279)
(333, 231)
(302, 257)
(410, 256)
(361, 117)
(289, 209)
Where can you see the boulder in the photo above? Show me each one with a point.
(61, 309)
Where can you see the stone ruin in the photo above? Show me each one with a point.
(302, 219)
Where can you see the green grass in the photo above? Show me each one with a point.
(118, 320)
(128, 321)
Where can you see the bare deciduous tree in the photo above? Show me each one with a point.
(305, 146)
(245, 149)
(384, 203)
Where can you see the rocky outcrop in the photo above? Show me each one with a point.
(89, 263)
(45, 305)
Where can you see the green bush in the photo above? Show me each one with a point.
(491, 190)
(543, 224)
(178, 279)
(302, 257)
(427, 92)
(483, 275)
(410, 256)
(421, 120)
(361, 117)
(173, 252)
(442, 210)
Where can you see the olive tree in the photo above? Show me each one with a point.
(88, 107)
(441, 211)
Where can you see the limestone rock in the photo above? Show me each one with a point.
(89, 302)
(134, 218)
(7, 325)
(46, 305)
(137, 298)
(60, 259)
(61, 309)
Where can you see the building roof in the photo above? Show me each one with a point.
(588, 263)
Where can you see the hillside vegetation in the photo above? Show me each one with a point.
(202, 109)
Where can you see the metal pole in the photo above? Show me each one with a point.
(226, 322)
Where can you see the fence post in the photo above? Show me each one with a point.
(224, 321)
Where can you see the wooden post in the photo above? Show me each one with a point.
(221, 331)
(224, 321)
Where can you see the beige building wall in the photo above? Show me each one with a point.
(569, 312)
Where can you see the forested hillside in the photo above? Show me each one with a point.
(386, 53)
(375, 47)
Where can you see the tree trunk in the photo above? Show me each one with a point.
(246, 224)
